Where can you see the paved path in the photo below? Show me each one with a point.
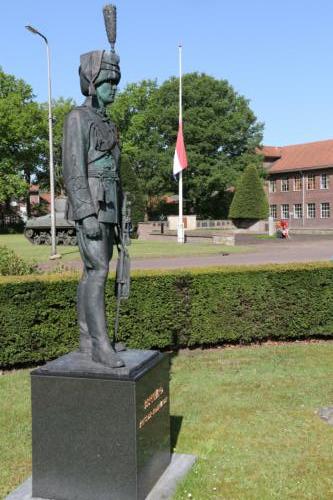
(281, 252)
(276, 251)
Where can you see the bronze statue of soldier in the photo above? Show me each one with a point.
(91, 173)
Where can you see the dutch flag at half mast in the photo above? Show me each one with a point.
(180, 158)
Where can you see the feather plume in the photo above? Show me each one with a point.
(110, 19)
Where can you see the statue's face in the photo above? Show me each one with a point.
(106, 92)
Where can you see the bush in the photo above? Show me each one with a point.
(170, 310)
(12, 264)
(250, 201)
(17, 228)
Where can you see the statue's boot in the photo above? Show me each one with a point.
(92, 318)
(86, 344)
(119, 346)
(85, 339)
(103, 352)
(101, 348)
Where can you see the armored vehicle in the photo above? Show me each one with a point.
(38, 229)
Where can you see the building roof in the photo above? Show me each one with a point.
(309, 156)
(271, 151)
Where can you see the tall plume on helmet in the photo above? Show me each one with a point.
(110, 19)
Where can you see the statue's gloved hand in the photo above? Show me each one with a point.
(91, 227)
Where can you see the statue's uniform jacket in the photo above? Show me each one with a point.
(91, 165)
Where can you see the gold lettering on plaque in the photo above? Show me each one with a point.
(153, 397)
(153, 412)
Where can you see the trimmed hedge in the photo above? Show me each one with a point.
(171, 309)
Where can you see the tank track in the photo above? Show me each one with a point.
(39, 236)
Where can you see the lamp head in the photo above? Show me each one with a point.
(32, 29)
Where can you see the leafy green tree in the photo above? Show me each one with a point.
(132, 187)
(21, 137)
(60, 108)
(140, 140)
(250, 200)
(221, 135)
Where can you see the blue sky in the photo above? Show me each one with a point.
(276, 53)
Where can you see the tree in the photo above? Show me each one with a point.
(21, 137)
(131, 186)
(221, 135)
(250, 201)
(60, 108)
(140, 140)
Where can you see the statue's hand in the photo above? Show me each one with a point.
(91, 227)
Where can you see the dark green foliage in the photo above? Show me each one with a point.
(206, 307)
(60, 108)
(131, 185)
(22, 129)
(15, 228)
(250, 201)
(221, 135)
(12, 264)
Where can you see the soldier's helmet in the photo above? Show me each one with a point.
(96, 67)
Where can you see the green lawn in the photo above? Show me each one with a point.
(247, 413)
(139, 249)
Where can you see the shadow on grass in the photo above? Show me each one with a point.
(175, 426)
(175, 420)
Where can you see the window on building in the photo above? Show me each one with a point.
(298, 183)
(272, 186)
(285, 184)
(324, 210)
(324, 181)
(298, 212)
(285, 211)
(311, 209)
(311, 181)
(273, 211)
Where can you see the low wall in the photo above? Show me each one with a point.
(189, 221)
(154, 229)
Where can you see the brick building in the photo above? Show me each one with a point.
(300, 184)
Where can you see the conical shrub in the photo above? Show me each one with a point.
(250, 200)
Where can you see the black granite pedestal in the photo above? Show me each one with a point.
(100, 433)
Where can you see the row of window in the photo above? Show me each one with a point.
(297, 181)
(325, 211)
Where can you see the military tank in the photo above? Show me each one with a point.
(38, 229)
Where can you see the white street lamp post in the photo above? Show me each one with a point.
(54, 254)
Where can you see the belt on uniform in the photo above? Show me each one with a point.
(103, 174)
(107, 191)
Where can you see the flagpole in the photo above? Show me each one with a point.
(180, 229)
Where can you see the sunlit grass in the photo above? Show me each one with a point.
(249, 415)
(139, 249)
(15, 430)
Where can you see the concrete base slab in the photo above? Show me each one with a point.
(163, 490)
(165, 487)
